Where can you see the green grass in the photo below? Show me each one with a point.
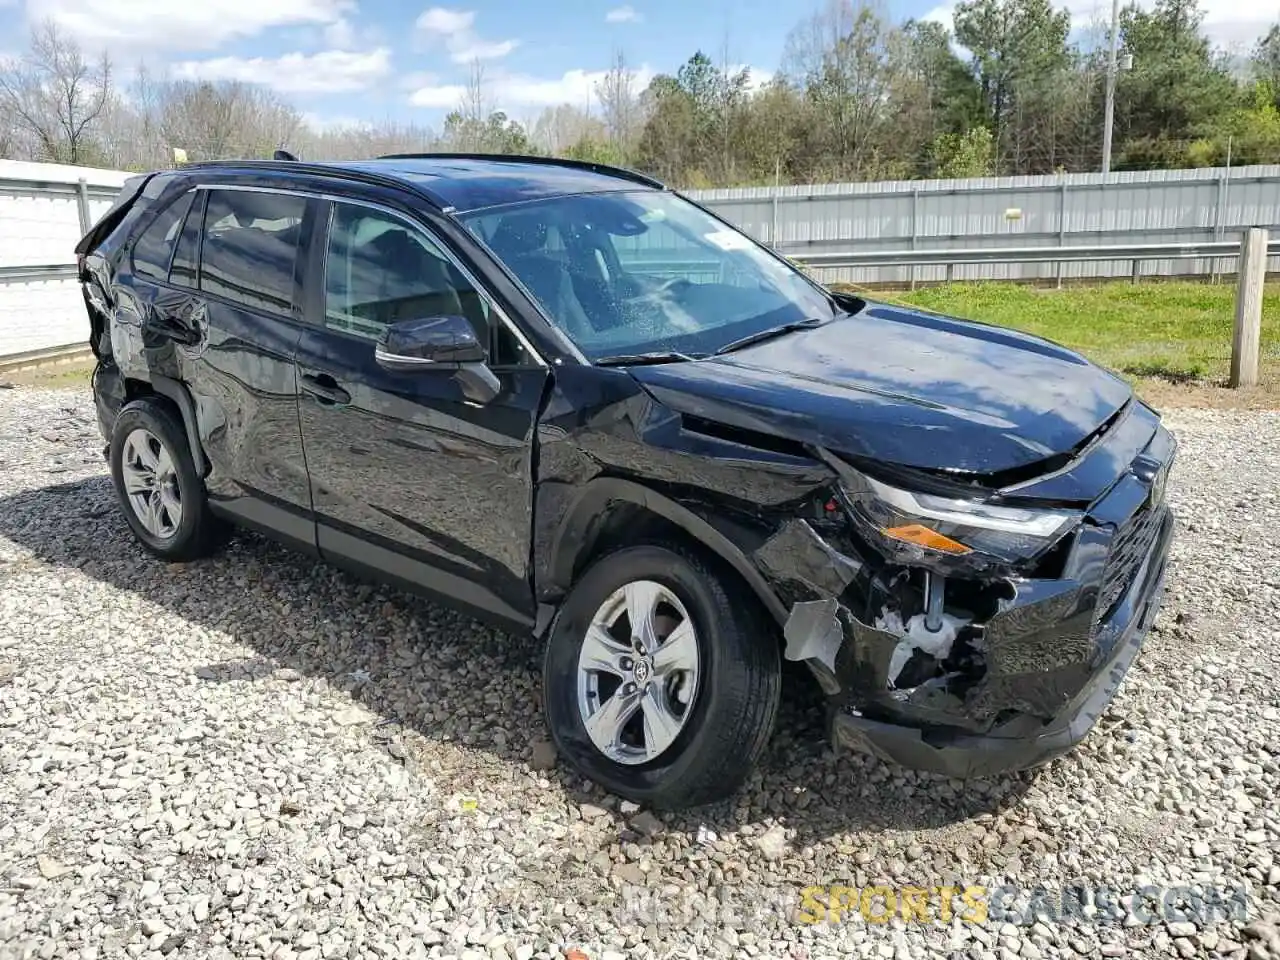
(52, 377)
(1179, 332)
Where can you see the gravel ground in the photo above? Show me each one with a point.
(259, 756)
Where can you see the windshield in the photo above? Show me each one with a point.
(645, 273)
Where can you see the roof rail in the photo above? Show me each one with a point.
(332, 171)
(621, 173)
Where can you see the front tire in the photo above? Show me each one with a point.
(657, 685)
(160, 492)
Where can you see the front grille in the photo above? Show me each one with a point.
(1129, 548)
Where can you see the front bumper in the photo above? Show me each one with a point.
(1028, 665)
(963, 755)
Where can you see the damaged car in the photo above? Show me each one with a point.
(570, 401)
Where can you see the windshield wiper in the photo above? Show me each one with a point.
(762, 335)
(657, 356)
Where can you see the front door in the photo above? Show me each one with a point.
(410, 479)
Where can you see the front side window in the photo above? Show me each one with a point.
(249, 247)
(154, 246)
(645, 272)
(380, 270)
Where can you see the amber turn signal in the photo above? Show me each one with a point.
(922, 536)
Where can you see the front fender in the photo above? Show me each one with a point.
(556, 557)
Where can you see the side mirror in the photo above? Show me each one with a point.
(447, 344)
(413, 345)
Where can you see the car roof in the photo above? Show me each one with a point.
(464, 183)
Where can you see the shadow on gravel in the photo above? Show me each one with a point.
(429, 672)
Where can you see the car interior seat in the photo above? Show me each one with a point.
(520, 241)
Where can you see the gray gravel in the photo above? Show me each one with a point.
(259, 756)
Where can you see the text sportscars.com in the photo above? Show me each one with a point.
(1120, 903)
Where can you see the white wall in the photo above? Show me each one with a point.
(39, 227)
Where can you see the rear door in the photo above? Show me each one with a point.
(410, 479)
(230, 320)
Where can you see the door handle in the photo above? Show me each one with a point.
(325, 389)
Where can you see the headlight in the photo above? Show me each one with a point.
(915, 526)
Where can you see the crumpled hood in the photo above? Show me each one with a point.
(903, 387)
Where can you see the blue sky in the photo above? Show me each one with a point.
(349, 60)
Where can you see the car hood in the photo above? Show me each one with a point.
(903, 387)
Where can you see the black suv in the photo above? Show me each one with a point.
(573, 402)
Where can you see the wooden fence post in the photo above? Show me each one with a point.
(1245, 340)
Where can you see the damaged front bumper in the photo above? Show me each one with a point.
(1007, 690)
(1025, 741)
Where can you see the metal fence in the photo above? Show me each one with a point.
(44, 210)
(1076, 210)
(1153, 223)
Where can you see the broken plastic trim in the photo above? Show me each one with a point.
(969, 653)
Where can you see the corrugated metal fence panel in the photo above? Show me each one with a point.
(1161, 206)
(41, 315)
(40, 225)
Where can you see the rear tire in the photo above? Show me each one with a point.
(161, 494)
(697, 704)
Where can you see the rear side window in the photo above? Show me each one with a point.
(249, 247)
(154, 246)
(185, 271)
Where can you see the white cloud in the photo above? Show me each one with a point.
(456, 29)
(442, 97)
(511, 91)
(196, 24)
(475, 49)
(447, 22)
(756, 77)
(623, 14)
(1228, 23)
(575, 87)
(331, 71)
(340, 35)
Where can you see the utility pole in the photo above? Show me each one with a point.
(1109, 122)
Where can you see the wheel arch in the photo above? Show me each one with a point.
(592, 521)
(176, 393)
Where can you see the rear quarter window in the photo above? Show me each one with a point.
(154, 247)
(185, 269)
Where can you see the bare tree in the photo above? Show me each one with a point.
(9, 134)
(365, 140)
(619, 102)
(230, 119)
(841, 58)
(474, 104)
(55, 96)
(467, 129)
(558, 129)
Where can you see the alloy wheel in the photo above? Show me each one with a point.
(638, 672)
(151, 484)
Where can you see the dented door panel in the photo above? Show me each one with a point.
(241, 375)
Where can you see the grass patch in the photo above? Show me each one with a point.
(1161, 369)
(1179, 333)
(51, 377)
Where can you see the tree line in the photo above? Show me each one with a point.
(1015, 89)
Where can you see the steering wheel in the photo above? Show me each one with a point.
(669, 285)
